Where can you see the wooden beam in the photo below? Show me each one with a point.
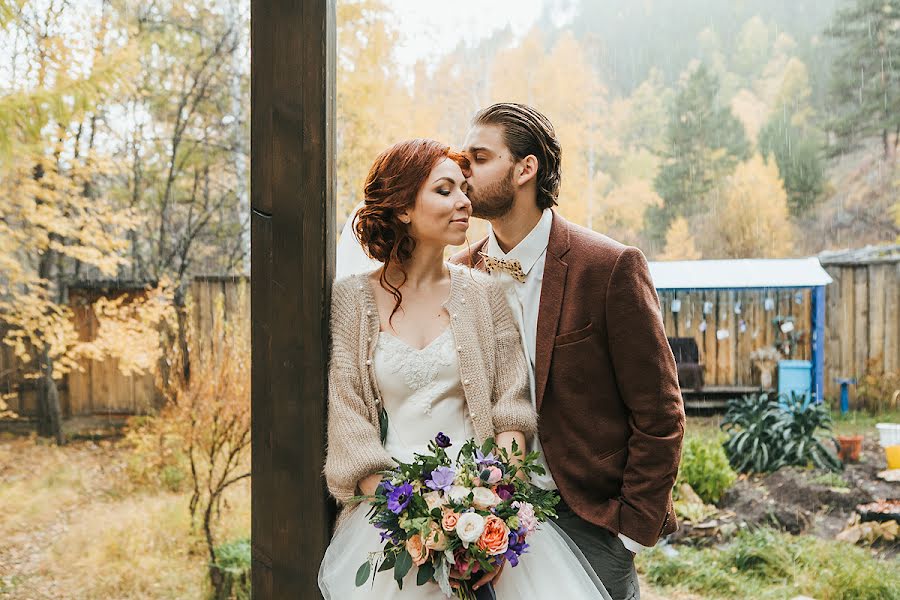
(292, 266)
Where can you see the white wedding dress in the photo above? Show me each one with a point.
(423, 395)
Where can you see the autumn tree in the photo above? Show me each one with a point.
(750, 219)
(680, 243)
(56, 221)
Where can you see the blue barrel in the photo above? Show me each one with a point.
(795, 376)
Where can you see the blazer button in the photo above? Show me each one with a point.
(465, 382)
(368, 362)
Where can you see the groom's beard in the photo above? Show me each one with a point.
(495, 200)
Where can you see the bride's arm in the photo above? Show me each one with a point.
(505, 440)
(355, 453)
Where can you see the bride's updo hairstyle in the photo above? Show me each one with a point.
(391, 188)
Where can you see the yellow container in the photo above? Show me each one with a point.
(893, 456)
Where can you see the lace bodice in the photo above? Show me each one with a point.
(422, 393)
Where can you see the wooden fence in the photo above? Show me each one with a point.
(215, 303)
(862, 331)
(728, 325)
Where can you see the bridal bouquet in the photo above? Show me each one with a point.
(454, 522)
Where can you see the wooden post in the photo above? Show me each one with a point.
(817, 321)
(292, 266)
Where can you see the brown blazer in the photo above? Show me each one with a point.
(610, 412)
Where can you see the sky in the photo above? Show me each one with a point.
(429, 29)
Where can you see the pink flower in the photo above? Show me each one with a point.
(494, 475)
(526, 516)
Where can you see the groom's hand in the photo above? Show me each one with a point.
(490, 576)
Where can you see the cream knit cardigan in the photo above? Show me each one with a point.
(492, 369)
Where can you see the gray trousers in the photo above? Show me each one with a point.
(612, 561)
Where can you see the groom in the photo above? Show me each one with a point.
(611, 417)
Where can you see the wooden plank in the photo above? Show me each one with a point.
(892, 319)
(833, 315)
(877, 321)
(665, 302)
(848, 326)
(744, 343)
(292, 264)
(861, 319)
(709, 339)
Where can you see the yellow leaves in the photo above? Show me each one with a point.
(680, 243)
(621, 213)
(128, 328)
(750, 217)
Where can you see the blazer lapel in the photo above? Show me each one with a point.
(552, 296)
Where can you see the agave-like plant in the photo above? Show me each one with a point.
(800, 422)
(766, 433)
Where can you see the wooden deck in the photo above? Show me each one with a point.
(715, 397)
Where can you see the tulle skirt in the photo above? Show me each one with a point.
(552, 567)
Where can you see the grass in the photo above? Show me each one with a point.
(861, 422)
(766, 564)
(74, 527)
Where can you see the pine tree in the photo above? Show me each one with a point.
(866, 75)
(704, 142)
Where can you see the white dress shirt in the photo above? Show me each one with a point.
(525, 299)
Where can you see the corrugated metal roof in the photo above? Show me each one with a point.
(737, 274)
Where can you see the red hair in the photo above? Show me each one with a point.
(391, 188)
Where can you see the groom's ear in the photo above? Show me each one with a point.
(527, 169)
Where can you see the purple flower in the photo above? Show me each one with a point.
(506, 491)
(442, 440)
(386, 486)
(441, 478)
(483, 460)
(517, 546)
(399, 497)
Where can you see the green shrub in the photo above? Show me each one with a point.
(765, 435)
(233, 561)
(705, 467)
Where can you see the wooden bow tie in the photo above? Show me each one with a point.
(511, 266)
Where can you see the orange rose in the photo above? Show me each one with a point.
(416, 548)
(495, 537)
(437, 539)
(450, 519)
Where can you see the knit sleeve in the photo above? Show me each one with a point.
(354, 444)
(512, 409)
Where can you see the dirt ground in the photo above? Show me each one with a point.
(802, 501)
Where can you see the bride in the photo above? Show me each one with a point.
(421, 346)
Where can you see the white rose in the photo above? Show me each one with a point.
(469, 528)
(484, 498)
(434, 500)
(458, 493)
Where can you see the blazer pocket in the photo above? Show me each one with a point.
(575, 336)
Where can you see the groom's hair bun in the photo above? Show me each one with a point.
(527, 131)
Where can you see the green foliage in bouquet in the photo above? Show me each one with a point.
(452, 521)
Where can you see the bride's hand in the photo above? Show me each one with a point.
(367, 485)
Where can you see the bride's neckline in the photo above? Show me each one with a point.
(410, 346)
